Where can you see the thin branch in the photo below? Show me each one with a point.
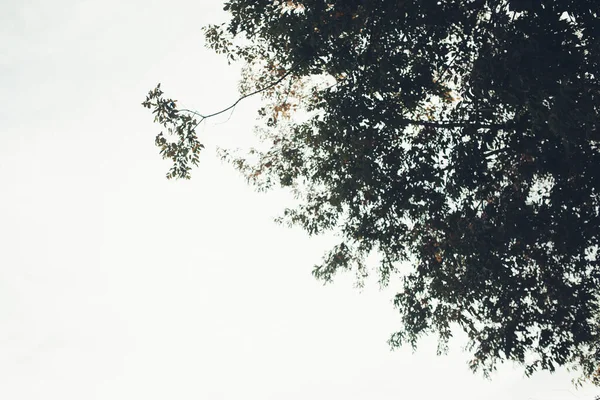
(257, 91)
(228, 117)
(450, 124)
(494, 152)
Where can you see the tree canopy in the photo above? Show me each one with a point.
(456, 139)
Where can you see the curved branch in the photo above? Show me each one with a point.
(257, 91)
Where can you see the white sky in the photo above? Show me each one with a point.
(118, 284)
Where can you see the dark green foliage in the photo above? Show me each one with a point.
(457, 139)
(182, 125)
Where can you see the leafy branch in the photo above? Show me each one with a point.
(182, 123)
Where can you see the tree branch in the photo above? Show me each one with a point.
(267, 87)
(434, 124)
(494, 152)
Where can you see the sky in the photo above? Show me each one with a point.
(116, 283)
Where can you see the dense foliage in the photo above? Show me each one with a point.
(456, 139)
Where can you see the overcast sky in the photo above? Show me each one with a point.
(118, 284)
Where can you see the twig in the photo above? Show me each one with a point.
(267, 87)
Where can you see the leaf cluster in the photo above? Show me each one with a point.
(179, 142)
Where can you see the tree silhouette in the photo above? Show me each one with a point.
(456, 139)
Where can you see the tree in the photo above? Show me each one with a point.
(456, 139)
